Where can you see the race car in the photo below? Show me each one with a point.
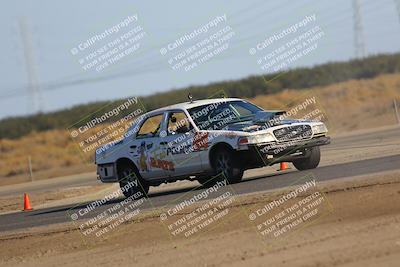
(208, 141)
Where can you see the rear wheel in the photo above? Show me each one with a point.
(311, 162)
(131, 183)
(226, 167)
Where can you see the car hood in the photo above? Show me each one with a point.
(263, 120)
(250, 126)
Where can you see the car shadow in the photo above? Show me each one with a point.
(76, 206)
(72, 208)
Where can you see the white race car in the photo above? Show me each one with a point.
(207, 140)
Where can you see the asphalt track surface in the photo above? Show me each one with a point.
(342, 144)
(22, 220)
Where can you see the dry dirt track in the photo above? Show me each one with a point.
(361, 229)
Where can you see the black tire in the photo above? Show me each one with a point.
(225, 166)
(128, 174)
(310, 162)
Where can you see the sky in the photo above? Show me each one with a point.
(40, 72)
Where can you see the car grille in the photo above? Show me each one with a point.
(298, 132)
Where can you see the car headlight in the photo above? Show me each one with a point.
(256, 139)
(321, 128)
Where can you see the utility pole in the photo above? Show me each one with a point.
(359, 45)
(396, 111)
(397, 3)
(30, 167)
(34, 88)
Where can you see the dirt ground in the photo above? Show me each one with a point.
(360, 226)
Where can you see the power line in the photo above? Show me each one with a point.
(397, 3)
(143, 68)
(359, 43)
(31, 69)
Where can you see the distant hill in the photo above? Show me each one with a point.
(301, 78)
(346, 106)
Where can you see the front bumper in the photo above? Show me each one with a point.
(267, 154)
(277, 149)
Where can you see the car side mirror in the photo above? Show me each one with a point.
(183, 129)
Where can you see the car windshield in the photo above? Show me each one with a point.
(218, 115)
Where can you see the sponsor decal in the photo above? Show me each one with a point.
(143, 157)
(162, 164)
(200, 141)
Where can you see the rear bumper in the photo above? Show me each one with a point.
(107, 173)
(268, 154)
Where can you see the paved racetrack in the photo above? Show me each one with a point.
(256, 183)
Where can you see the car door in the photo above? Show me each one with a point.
(146, 148)
(177, 142)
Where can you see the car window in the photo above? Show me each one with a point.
(242, 110)
(178, 123)
(218, 115)
(150, 127)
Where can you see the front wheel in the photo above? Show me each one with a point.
(311, 162)
(226, 167)
(131, 183)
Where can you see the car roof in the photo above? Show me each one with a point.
(194, 103)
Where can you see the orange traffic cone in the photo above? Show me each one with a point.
(283, 166)
(27, 204)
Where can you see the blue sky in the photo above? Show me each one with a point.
(55, 27)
